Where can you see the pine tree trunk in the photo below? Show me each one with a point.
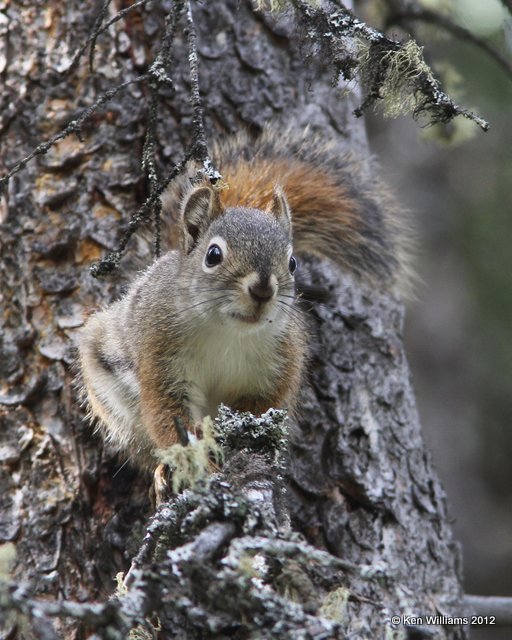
(361, 483)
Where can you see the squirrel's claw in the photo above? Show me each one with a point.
(161, 489)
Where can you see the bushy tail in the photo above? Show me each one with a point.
(340, 210)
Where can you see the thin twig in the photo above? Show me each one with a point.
(163, 58)
(97, 31)
(148, 148)
(110, 262)
(73, 127)
(200, 145)
(490, 607)
(159, 76)
(149, 164)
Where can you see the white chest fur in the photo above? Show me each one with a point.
(230, 362)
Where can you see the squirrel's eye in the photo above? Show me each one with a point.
(213, 256)
(292, 265)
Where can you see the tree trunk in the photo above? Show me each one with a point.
(361, 483)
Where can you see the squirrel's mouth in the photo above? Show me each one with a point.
(249, 319)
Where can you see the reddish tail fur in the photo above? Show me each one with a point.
(339, 209)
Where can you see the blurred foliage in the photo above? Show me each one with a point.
(484, 209)
(460, 332)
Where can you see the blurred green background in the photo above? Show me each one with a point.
(459, 329)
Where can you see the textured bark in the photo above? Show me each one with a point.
(362, 486)
(364, 483)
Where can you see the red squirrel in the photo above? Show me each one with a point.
(215, 319)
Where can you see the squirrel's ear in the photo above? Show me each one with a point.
(281, 210)
(200, 207)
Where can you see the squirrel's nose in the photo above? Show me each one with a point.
(262, 292)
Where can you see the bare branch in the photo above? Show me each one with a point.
(148, 162)
(198, 149)
(159, 76)
(111, 261)
(201, 148)
(491, 606)
(97, 30)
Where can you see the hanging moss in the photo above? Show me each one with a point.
(192, 462)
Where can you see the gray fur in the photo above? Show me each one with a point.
(193, 315)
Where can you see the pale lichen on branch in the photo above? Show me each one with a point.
(388, 70)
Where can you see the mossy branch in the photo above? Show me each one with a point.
(393, 75)
(226, 529)
(417, 14)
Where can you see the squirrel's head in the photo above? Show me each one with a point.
(239, 261)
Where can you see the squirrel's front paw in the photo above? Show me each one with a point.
(161, 489)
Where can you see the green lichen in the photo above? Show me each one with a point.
(194, 461)
(266, 434)
(148, 632)
(270, 5)
(334, 606)
(9, 617)
(394, 75)
(139, 633)
(121, 588)
(7, 559)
